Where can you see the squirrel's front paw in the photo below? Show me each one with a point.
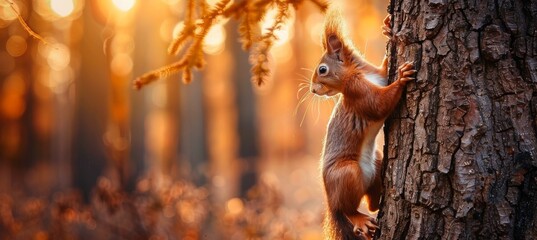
(364, 226)
(405, 72)
(387, 27)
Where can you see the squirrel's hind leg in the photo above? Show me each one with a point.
(344, 186)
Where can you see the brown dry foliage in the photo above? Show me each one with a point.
(159, 208)
(198, 21)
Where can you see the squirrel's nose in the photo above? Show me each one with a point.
(313, 90)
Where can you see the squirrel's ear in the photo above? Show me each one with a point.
(334, 33)
(333, 44)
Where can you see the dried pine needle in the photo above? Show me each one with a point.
(24, 24)
(158, 73)
(248, 12)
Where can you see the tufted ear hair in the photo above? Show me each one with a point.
(334, 36)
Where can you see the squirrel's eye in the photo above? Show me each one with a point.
(323, 69)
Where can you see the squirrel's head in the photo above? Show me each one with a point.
(338, 55)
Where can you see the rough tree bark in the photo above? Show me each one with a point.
(461, 152)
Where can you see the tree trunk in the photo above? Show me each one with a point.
(461, 153)
(245, 100)
(89, 156)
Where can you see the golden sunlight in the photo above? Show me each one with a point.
(177, 29)
(284, 34)
(314, 22)
(6, 13)
(121, 64)
(215, 39)
(58, 56)
(124, 5)
(62, 7)
(235, 206)
(16, 46)
(368, 24)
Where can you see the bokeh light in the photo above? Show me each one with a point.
(6, 12)
(124, 5)
(16, 46)
(121, 64)
(58, 56)
(62, 8)
(215, 39)
(122, 43)
(177, 29)
(285, 33)
(284, 52)
(59, 81)
(235, 206)
(58, 11)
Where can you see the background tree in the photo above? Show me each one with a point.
(461, 152)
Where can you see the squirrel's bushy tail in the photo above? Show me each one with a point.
(337, 226)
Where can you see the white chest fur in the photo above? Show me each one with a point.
(376, 79)
(367, 157)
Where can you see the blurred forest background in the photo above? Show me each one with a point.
(84, 156)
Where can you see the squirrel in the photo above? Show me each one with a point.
(350, 164)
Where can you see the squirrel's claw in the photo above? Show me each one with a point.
(406, 71)
(387, 28)
(365, 227)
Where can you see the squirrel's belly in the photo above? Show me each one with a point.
(367, 154)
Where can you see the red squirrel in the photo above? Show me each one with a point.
(350, 164)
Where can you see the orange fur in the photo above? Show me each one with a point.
(350, 161)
